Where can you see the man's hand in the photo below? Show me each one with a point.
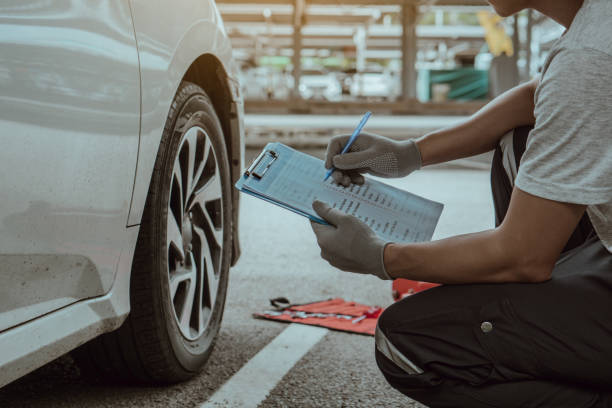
(373, 154)
(348, 243)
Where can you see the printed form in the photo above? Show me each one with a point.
(295, 180)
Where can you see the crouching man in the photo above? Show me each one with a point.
(524, 317)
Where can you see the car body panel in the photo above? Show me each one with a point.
(33, 225)
(167, 49)
(39, 341)
(69, 113)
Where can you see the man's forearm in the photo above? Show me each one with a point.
(471, 258)
(482, 131)
(524, 248)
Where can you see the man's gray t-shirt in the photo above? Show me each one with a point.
(569, 152)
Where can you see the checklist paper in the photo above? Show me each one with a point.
(294, 180)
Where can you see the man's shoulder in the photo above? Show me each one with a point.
(576, 80)
(591, 29)
(585, 48)
(582, 68)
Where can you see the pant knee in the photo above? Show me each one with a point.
(429, 337)
(385, 320)
(385, 347)
(399, 370)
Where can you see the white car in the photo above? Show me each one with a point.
(318, 84)
(121, 133)
(374, 84)
(263, 83)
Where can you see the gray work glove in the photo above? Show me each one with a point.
(349, 244)
(372, 154)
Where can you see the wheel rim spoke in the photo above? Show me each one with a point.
(211, 279)
(177, 278)
(184, 277)
(200, 166)
(211, 192)
(191, 141)
(175, 236)
(185, 316)
(217, 233)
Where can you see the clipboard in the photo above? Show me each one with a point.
(257, 170)
(294, 180)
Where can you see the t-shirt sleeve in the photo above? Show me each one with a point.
(569, 152)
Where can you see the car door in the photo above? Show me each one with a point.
(69, 126)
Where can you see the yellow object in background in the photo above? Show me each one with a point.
(497, 39)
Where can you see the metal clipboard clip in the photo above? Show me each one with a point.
(261, 164)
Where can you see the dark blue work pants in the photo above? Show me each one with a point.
(508, 345)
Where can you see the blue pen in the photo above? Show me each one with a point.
(351, 140)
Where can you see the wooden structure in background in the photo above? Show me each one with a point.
(299, 18)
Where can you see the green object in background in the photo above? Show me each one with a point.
(273, 61)
(279, 61)
(466, 84)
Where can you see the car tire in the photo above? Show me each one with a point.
(181, 263)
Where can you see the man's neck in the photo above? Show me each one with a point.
(562, 11)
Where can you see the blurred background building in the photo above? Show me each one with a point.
(390, 56)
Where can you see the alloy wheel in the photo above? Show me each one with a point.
(194, 233)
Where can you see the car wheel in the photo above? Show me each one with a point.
(181, 265)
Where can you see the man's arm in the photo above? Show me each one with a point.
(482, 131)
(383, 157)
(523, 249)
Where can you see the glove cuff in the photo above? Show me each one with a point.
(409, 157)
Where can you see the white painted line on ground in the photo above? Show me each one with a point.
(254, 381)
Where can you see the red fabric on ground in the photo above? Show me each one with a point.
(335, 314)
